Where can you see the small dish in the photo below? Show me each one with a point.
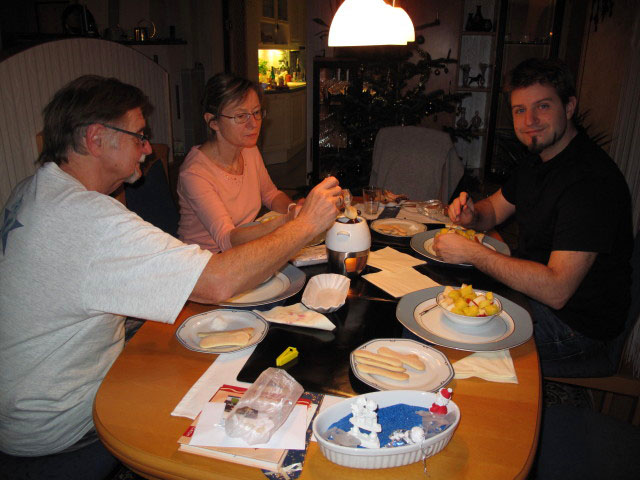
(437, 373)
(221, 320)
(467, 320)
(326, 292)
(371, 458)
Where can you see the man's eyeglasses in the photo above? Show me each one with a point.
(139, 136)
(241, 118)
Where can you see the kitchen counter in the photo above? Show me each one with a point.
(293, 87)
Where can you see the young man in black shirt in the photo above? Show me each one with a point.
(573, 210)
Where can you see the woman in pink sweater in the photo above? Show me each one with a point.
(223, 182)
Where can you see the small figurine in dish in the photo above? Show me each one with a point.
(442, 399)
(365, 418)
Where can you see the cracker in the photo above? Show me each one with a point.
(383, 372)
(231, 338)
(375, 363)
(380, 358)
(248, 330)
(410, 359)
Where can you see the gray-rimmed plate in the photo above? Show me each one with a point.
(384, 226)
(419, 313)
(284, 284)
(220, 320)
(422, 242)
(437, 373)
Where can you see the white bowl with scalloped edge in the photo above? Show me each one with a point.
(372, 458)
(326, 292)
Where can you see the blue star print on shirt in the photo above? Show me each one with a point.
(10, 222)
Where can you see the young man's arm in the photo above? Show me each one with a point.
(483, 215)
(552, 284)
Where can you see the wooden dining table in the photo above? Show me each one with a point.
(496, 438)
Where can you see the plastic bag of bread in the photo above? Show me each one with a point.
(264, 407)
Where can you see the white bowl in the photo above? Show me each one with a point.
(382, 457)
(465, 319)
(326, 292)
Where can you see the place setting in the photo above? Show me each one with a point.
(422, 243)
(423, 313)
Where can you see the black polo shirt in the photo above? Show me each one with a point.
(579, 201)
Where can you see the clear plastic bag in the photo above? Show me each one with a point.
(264, 406)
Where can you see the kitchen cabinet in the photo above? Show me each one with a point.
(284, 129)
(274, 24)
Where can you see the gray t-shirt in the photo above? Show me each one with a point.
(73, 264)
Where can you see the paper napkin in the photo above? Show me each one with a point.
(210, 431)
(297, 315)
(310, 256)
(224, 369)
(400, 282)
(491, 366)
(392, 260)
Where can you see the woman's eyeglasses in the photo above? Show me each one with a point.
(241, 118)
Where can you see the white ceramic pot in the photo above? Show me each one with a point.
(349, 237)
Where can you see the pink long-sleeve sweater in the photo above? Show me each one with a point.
(214, 202)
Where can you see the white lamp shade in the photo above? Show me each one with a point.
(370, 22)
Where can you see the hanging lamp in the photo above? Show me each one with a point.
(370, 22)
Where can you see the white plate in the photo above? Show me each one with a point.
(437, 373)
(419, 313)
(410, 226)
(284, 284)
(221, 320)
(423, 244)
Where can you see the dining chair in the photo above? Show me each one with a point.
(416, 161)
(623, 352)
(150, 197)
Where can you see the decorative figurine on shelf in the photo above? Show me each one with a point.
(476, 122)
(466, 68)
(462, 122)
(477, 79)
(442, 399)
(483, 71)
(364, 417)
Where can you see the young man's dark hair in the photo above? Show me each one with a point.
(551, 71)
(86, 100)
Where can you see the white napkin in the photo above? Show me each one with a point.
(297, 315)
(491, 366)
(400, 282)
(223, 370)
(310, 256)
(392, 260)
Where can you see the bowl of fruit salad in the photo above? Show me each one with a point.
(466, 306)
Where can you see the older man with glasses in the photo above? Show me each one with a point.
(75, 262)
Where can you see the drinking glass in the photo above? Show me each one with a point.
(371, 199)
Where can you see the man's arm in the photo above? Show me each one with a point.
(552, 284)
(245, 266)
(483, 215)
